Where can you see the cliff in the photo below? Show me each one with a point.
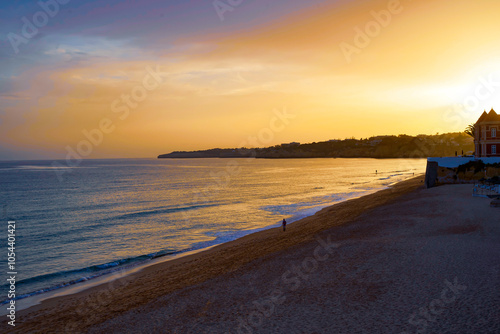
(401, 146)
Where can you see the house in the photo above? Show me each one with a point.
(487, 135)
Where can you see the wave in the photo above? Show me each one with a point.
(95, 271)
(157, 211)
(303, 209)
(391, 176)
(87, 273)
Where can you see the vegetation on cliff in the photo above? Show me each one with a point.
(401, 146)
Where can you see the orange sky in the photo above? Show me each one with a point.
(433, 67)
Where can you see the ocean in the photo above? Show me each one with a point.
(74, 224)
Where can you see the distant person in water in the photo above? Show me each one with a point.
(284, 224)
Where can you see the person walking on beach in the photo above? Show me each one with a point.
(284, 224)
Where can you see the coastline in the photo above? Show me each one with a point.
(36, 299)
(427, 262)
(80, 284)
(113, 298)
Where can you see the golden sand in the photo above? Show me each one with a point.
(80, 311)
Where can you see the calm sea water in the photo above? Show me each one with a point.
(102, 215)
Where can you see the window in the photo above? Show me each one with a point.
(493, 149)
(493, 132)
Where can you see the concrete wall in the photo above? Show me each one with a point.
(431, 174)
(445, 170)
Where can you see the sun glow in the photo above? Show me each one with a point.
(419, 73)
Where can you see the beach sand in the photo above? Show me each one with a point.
(405, 259)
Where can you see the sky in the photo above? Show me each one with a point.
(133, 79)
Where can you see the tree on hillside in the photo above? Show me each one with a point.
(471, 130)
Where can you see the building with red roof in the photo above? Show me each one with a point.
(487, 135)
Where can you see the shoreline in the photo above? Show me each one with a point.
(123, 293)
(426, 262)
(70, 289)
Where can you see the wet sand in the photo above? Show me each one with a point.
(405, 259)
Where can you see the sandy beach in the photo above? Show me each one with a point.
(402, 260)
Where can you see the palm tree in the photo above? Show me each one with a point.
(471, 130)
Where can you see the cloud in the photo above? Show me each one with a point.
(224, 78)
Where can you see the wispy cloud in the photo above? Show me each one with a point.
(220, 78)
